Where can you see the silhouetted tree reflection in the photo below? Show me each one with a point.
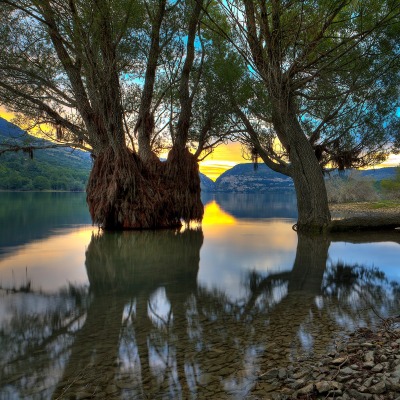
(133, 275)
(37, 338)
(129, 261)
(148, 330)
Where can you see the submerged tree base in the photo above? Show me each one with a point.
(124, 193)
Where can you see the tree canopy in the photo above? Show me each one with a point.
(304, 84)
(322, 81)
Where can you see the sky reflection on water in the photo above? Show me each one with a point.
(195, 314)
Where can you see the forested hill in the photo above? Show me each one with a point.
(49, 169)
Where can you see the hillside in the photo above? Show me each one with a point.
(242, 178)
(49, 169)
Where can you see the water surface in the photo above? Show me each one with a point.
(199, 313)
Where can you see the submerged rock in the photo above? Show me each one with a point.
(359, 369)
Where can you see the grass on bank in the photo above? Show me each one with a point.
(383, 204)
(352, 187)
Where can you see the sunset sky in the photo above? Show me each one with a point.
(226, 156)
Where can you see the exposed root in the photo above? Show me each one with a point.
(182, 174)
(125, 193)
(122, 194)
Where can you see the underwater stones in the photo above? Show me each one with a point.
(328, 386)
(282, 373)
(348, 371)
(379, 388)
(339, 360)
(271, 374)
(369, 356)
(357, 370)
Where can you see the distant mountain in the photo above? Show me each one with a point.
(62, 156)
(379, 173)
(244, 178)
(68, 169)
(207, 185)
(57, 169)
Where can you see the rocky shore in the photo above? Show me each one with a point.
(348, 217)
(363, 209)
(366, 365)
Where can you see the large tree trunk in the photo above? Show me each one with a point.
(312, 199)
(125, 193)
(182, 172)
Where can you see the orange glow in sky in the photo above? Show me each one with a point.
(225, 156)
(5, 114)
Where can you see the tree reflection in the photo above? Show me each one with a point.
(148, 330)
(36, 338)
(133, 275)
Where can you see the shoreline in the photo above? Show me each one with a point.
(361, 209)
(363, 365)
(365, 216)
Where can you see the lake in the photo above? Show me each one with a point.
(199, 313)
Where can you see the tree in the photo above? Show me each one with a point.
(391, 187)
(324, 84)
(41, 183)
(97, 75)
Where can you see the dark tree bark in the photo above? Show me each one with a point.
(128, 188)
(312, 199)
(319, 72)
(145, 123)
(182, 167)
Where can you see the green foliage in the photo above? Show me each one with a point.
(383, 204)
(19, 172)
(391, 187)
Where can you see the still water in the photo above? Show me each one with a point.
(195, 314)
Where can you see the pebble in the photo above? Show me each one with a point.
(368, 375)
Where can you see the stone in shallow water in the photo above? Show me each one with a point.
(393, 384)
(300, 374)
(379, 388)
(369, 364)
(282, 373)
(205, 379)
(348, 371)
(339, 360)
(110, 389)
(323, 386)
(377, 368)
(270, 374)
(297, 384)
(369, 356)
(306, 389)
(368, 382)
(354, 394)
(367, 344)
